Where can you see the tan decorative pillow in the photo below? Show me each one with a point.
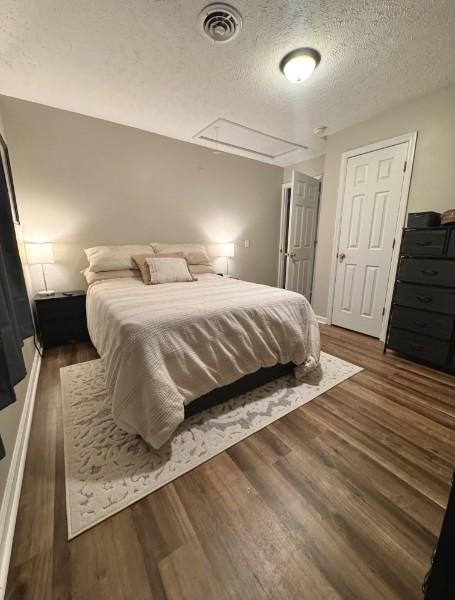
(168, 270)
(92, 277)
(195, 254)
(199, 269)
(113, 258)
(141, 261)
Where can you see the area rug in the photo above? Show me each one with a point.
(108, 469)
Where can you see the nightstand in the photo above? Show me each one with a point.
(60, 318)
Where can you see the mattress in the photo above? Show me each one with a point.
(165, 345)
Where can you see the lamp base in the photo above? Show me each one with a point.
(46, 293)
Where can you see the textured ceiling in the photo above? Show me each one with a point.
(144, 63)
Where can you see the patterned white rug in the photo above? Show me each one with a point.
(108, 469)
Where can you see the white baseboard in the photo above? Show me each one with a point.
(322, 320)
(10, 504)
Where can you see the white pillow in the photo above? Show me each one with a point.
(168, 270)
(113, 258)
(195, 254)
(91, 277)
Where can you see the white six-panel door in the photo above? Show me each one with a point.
(371, 201)
(303, 221)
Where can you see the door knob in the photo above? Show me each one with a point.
(291, 254)
(341, 256)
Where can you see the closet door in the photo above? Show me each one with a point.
(371, 201)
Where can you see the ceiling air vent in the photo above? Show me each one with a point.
(220, 22)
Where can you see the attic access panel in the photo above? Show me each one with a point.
(234, 135)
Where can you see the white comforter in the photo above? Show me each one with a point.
(165, 345)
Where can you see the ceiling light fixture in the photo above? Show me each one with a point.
(299, 64)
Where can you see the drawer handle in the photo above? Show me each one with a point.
(424, 243)
(421, 324)
(424, 299)
(429, 272)
(416, 346)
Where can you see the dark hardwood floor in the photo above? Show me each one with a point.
(342, 498)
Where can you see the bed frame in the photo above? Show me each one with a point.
(241, 386)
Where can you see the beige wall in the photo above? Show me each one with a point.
(10, 417)
(314, 167)
(83, 181)
(433, 177)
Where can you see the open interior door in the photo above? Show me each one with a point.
(302, 231)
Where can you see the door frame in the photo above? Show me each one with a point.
(411, 138)
(283, 222)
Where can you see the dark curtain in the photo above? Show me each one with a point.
(16, 321)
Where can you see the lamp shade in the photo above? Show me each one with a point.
(224, 250)
(39, 254)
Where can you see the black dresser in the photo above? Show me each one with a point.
(61, 318)
(422, 317)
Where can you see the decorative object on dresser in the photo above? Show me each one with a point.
(422, 317)
(448, 218)
(61, 318)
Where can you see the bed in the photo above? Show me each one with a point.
(165, 346)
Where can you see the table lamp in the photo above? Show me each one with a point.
(41, 254)
(225, 250)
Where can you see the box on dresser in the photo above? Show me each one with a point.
(424, 219)
(451, 244)
(61, 318)
(422, 317)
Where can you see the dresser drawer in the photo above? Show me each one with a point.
(424, 322)
(430, 298)
(451, 246)
(424, 242)
(427, 270)
(419, 346)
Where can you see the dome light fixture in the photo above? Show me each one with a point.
(299, 64)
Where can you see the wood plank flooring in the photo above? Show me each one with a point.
(341, 499)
